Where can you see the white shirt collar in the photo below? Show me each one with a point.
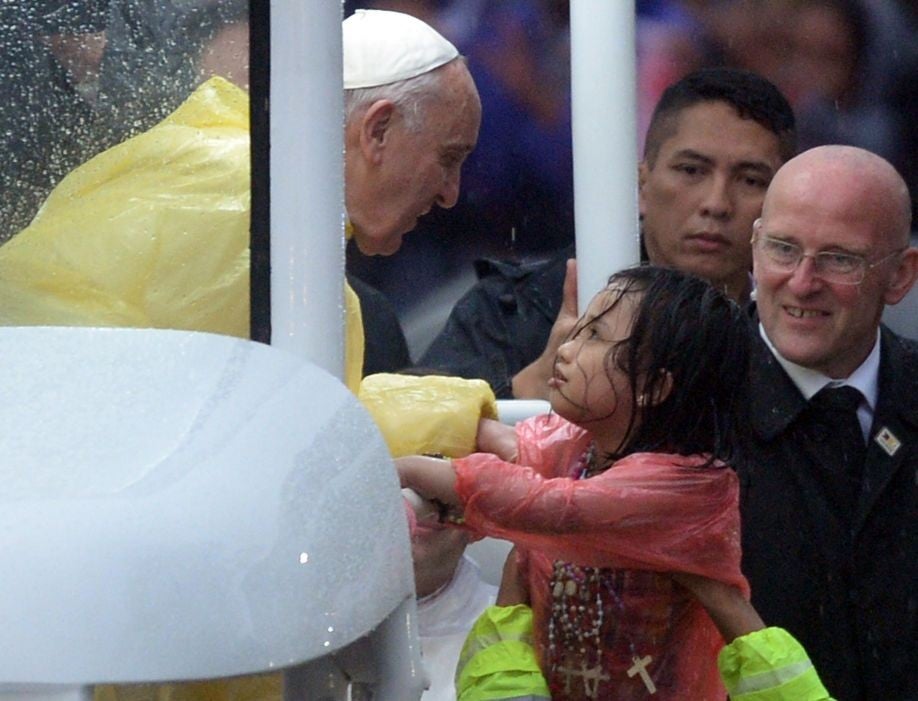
(865, 379)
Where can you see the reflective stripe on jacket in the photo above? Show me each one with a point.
(498, 661)
(769, 665)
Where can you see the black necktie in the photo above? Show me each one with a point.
(834, 415)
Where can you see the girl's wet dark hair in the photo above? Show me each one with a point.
(697, 335)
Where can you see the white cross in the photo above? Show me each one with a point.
(593, 674)
(568, 673)
(640, 667)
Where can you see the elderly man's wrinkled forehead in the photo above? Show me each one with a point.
(450, 85)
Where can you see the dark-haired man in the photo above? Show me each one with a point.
(715, 140)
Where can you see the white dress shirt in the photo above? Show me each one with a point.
(865, 379)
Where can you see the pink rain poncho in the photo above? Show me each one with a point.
(609, 623)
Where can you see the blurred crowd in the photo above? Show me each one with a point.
(81, 75)
(848, 67)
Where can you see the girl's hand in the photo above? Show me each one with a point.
(432, 478)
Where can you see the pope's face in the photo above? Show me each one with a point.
(417, 169)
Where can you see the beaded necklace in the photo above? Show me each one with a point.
(589, 465)
(578, 615)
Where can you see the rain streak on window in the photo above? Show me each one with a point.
(78, 76)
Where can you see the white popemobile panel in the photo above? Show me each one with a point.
(179, 505)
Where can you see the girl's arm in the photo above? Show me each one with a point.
(514, 588)
(497, 438)
(659, 515)
(728, 608)
(758, 663)
(432, 478)
(435, 478)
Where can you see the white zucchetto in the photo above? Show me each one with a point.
(382, 47)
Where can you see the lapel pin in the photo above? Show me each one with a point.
(887, 440)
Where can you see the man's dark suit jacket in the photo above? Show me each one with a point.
(844, 584)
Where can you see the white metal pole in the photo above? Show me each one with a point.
(604, 108)
(307, 181)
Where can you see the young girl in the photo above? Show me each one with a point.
(626, 481)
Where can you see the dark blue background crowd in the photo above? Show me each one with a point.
(81, 75)
(848, 67)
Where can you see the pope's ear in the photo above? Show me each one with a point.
(375, 127)
(903, 277)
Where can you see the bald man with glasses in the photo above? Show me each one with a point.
(830, 469)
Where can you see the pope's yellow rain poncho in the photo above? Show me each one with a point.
(154, 233)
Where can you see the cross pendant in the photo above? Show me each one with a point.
(640, 668)
(592, 677)
(568, 673)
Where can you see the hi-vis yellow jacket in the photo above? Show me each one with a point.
(498, 663)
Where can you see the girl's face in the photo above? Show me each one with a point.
(587, 387)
